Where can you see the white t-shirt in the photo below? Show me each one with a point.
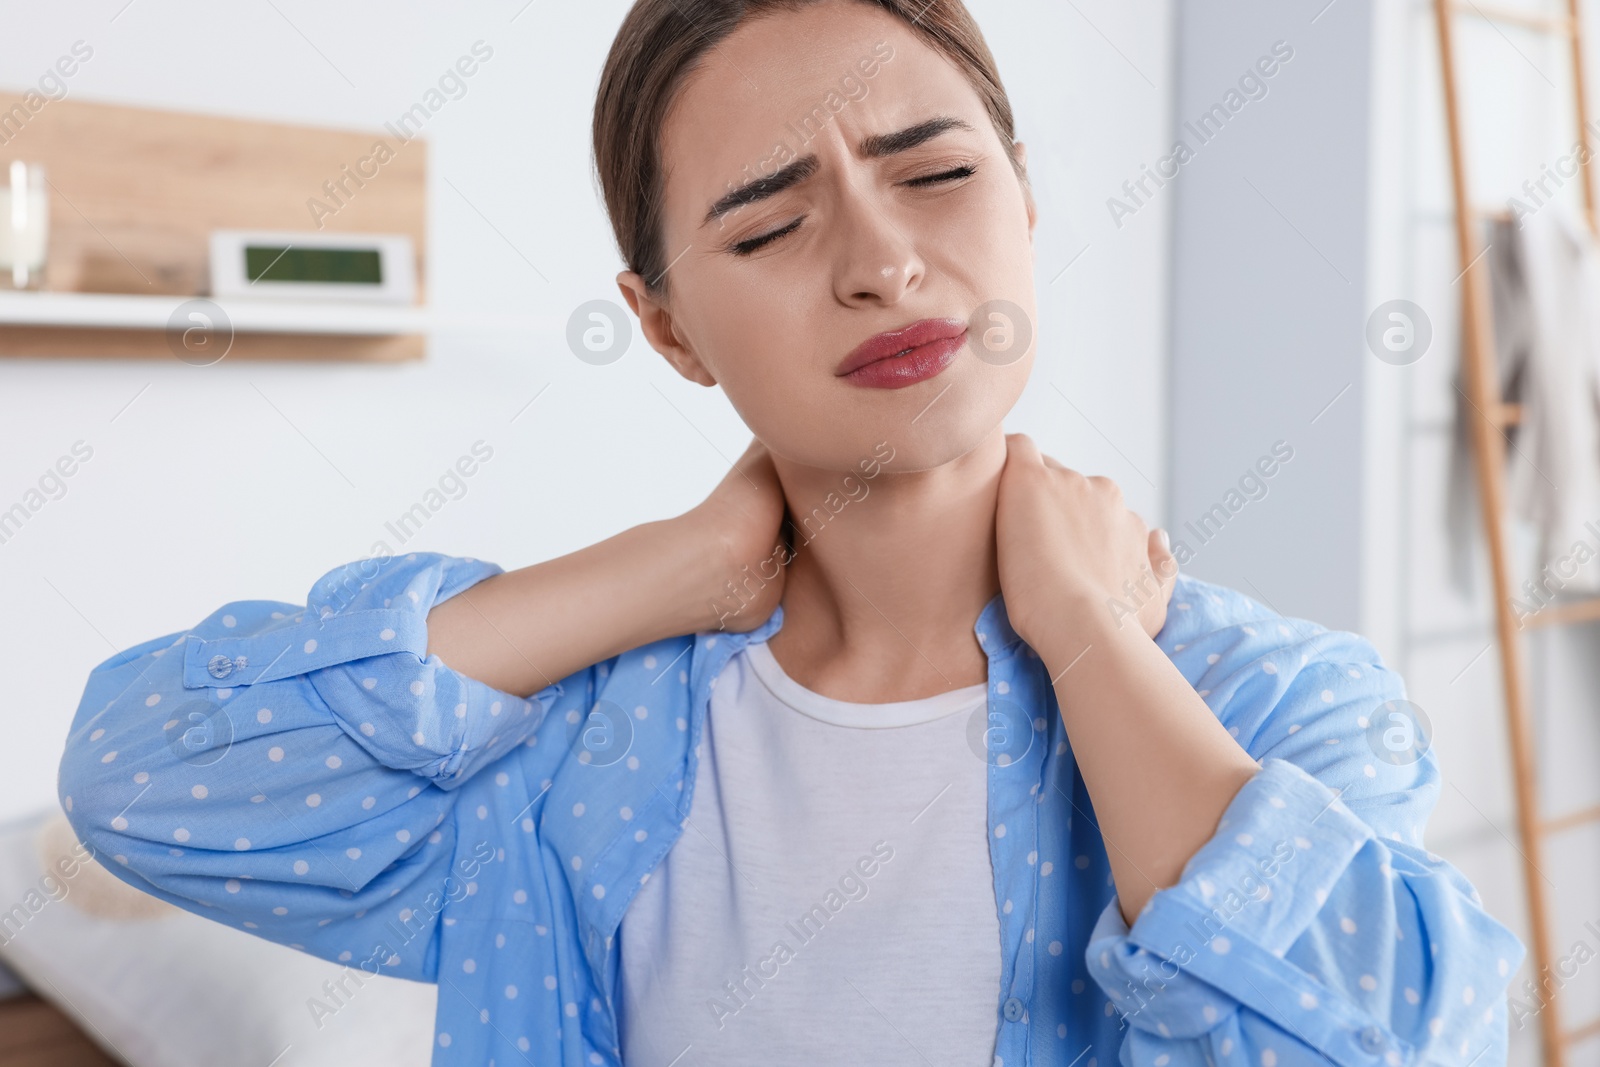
(831, 899)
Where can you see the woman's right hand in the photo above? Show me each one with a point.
(743, 518)
(716, 566)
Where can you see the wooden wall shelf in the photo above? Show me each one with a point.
(129, 326)
(135, 194)
(129, 311)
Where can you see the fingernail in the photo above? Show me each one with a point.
(1166, 541)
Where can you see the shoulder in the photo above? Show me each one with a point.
(1287, 688)
(1266, 674)
(1238, 629)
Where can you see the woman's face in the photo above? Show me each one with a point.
(771, 289)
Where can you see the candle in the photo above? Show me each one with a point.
(24, 225)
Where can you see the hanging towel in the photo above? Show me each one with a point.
(1545, 295)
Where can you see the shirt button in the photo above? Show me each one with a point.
(220, 666)
(1372, 1039)
(1013, 1009)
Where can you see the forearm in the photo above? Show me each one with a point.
(520, 631)
(1158, 764)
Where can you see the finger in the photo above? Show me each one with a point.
(1107, 486)
(1162, 561)
(756, 465)
(1056, 465)
(1021, 447)
(753, 455)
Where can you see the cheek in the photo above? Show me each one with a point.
(759, 348)
(993, 234)
(781, 393)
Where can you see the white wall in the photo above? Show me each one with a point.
(1269, 250)
(249, 481)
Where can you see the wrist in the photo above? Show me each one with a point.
(1067, 622)
(687, 560)
(734, 567)
(1079, 623)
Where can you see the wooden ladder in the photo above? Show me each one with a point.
(1491, 415)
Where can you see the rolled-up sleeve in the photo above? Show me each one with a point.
(1313, 926)
(289, 769)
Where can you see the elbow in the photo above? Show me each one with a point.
(85, 794)
(103, 771)
(1485, 952)
(1468, 961)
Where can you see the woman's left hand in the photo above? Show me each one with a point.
(1069, 547)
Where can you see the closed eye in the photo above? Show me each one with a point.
(755, 244)
(965, 171)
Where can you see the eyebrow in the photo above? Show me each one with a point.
(878, 146)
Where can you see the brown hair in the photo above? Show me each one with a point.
(661, 42)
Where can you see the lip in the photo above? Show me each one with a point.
(905, 356)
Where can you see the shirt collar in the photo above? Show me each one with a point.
(992, 628)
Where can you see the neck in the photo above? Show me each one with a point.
(889, 577)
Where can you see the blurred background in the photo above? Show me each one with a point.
(1200, 311)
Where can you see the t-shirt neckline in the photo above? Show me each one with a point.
(852, 713)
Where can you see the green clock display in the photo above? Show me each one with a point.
(334, 266)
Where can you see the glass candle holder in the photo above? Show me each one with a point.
(24, 226)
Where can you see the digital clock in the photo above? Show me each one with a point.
(285, 265)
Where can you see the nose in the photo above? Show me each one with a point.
(878, 262)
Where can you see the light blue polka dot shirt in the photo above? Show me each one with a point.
(312, 775)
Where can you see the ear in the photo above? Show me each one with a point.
(655, 320)
(1021, 152)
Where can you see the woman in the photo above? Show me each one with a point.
(870, 757)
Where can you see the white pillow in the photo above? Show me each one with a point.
(161, 987)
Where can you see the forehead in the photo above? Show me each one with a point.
(744, 110)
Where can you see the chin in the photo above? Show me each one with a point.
(893, 446)
(924, 426)
(928, 451)
(963, 419)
